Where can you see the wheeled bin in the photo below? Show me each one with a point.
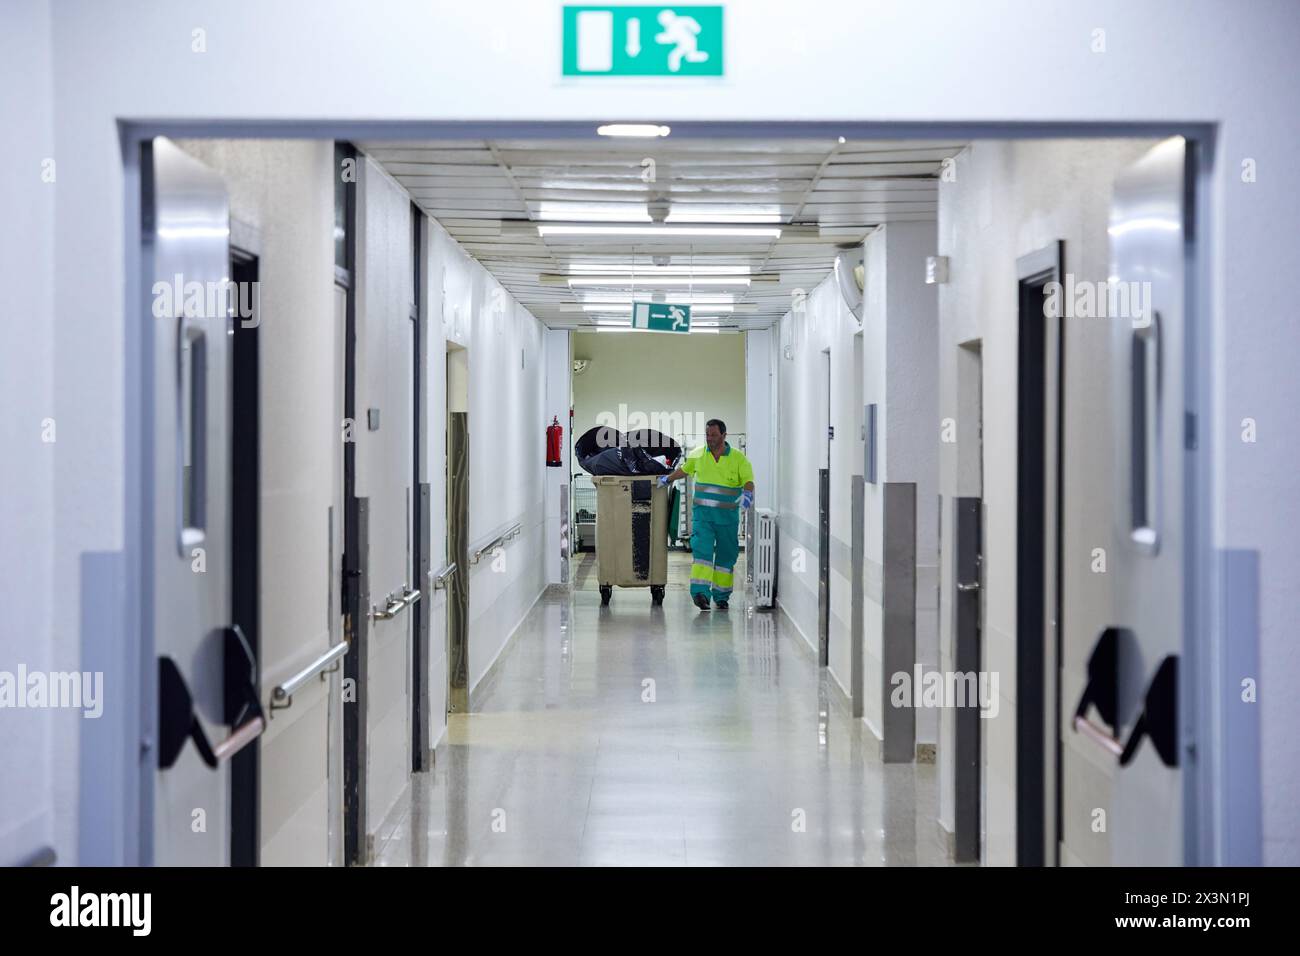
(631, 534)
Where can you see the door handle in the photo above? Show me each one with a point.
(971, 586)
(1158, 718)
(396, 605)
(1102, 692)
(178, 722)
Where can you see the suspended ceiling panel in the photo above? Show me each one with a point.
(823, 195)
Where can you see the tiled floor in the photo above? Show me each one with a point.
(633, 735)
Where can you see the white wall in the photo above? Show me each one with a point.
(909, 427)
(34, 770)
(385, 355)
(1009, 200)
(760, 413)
(886, 62)
(507, 442)
(559, 400)
(898, 374)
(825, 323)
(282, 203)
(677, 381)
(900, 378)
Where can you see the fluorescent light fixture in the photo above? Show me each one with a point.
(600, 269)
(645, 281)
(626, 323)
(680, 298)
(653, 230)
(684, 216)
(633, 129)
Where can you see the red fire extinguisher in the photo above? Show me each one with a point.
(554, 434)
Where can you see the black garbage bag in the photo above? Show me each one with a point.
(607, 451)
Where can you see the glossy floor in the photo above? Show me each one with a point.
(631, 735)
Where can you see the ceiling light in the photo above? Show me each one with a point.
(657, 281)
(633, 129)
(684, 298)
(583, 268)
(685, 229)
(626, 309)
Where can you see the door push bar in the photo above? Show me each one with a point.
(394, 605)
(178, 722)
(1158, 718)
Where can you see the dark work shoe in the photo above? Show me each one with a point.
(701, 602)
(722, 605)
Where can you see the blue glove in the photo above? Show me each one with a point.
(663, 480)
(746, 499)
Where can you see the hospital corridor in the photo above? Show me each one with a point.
(624, 436)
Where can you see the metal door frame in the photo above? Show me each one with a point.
(1207, 808)
(1038, 611)
(420, 531)
(245, 521)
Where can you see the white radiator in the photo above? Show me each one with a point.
(762, 557)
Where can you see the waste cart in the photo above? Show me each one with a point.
(631, 534)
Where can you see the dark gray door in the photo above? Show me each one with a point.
(967, 617)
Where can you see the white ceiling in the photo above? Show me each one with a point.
(824, 194)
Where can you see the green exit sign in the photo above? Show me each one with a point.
(661, 317)
(643, 41)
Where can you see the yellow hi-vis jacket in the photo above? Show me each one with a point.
(718, 482)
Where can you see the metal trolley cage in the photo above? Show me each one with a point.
(582, 519)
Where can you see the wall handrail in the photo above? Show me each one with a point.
(327, 663)
(438, 579)
(510, 531)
